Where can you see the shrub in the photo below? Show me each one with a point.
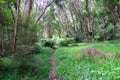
(96, 37)
(26, 67)
(25, 50)
(28, 64)
(48, 43)
(38, 49)
(79, 38)
(66, 41)
(105, 33)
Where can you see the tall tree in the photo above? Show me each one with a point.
(16, 25)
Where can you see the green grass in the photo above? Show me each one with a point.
(72, 67)
(44, 59)
(109, 47)
(35, 67)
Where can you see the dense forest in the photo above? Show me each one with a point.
(59, 39)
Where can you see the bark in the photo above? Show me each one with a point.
(79, 15)
(78, 7)
(89, 20)
(87, 9)
(28, 7)
(16, 25)
(44, 11)
(112, 11)
(8, 35)
(50, 34)
(2, 41)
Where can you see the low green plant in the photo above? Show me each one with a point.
(27, 67)
(106, 33)
(79, 38)
(48, 42)
(66, 41)
(71, 66)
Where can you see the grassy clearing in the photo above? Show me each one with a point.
(109, 47)
(35, 67)
(72, 67)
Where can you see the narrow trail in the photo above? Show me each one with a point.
(52, 74)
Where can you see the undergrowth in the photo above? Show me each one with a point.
(31, 67)
(72, 67)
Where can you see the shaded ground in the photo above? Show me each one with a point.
(52, 74)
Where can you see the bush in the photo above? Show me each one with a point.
(25, 50)
(38, 49)
(27, 64)
(96, 37)
(48, 43)
(106, 33)
(79, 38)
(67, 41)
(26, 67)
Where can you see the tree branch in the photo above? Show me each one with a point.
(44, 11)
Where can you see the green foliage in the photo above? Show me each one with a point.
(46, 42)
(105, 34)
(97, 37)
(38, 49)
(44, 56)
(103, 13)
(30, 67)
(57, 27)
(6, 63)
(111, 2)
(108, 46)
(71, 66)
(66, 41)
(79, 38)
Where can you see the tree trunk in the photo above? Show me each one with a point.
(44, 11)
(16, 25)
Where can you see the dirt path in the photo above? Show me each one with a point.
(52, 74)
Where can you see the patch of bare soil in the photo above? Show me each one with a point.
(52, 74)
(95, 53)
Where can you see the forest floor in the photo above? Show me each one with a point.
(36, 66)
(70, 63)
(89, 61)
(52, 74)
